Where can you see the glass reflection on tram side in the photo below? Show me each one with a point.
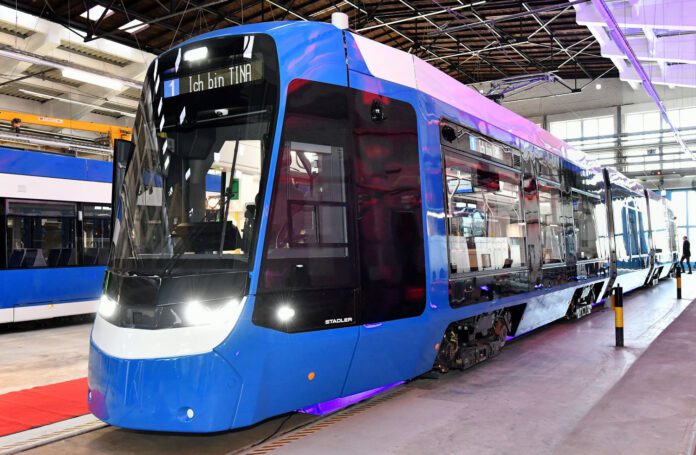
(505, 206)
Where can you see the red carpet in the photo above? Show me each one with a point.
(43, 405)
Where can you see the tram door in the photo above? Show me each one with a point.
(390, 238)
(344, 243)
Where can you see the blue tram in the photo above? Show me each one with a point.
(55, 228)
(374, 219)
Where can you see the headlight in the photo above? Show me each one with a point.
(107, 307)
(197, 313)
(285, 313)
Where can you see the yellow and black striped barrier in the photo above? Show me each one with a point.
(679, 282)
(617, 300)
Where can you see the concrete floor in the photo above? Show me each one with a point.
(111, 440)
(563, 389)
(32, 357)
(652, 409)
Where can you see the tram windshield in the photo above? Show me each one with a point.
(202, 136)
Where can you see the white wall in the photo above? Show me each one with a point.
(592, 102)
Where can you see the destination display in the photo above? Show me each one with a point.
(242, 73)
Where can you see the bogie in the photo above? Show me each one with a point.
(471, 341)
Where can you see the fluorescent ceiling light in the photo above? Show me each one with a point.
(29, 57)
(40, 95)
(94, 79)
(133, 26)
(95, 12)
(64, 100)
(198, 53)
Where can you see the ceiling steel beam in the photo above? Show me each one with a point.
(455, 14)
(288, 10)
(75, 27)
(542, 9)
(421, 16)
(568, 48)
(544, 26)
(409, 39)
(507, 37)
(150, 21)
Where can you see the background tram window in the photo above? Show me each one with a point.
(551, 216)
(96, 234)
(40, 234)
(485, 222)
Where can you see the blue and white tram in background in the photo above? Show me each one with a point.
(55, 228)
(375, 219)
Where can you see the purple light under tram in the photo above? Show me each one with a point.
(327, 407)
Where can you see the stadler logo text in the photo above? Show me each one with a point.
(338, 321)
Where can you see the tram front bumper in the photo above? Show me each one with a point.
(196, 393)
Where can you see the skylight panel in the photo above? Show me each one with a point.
(133, 26)
(95, 12)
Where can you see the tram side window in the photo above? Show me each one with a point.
(584, 210)
(552, 222)
(643, 226)
(307, 241)
(485, 223)
(96, 233)
(672, 229)
(40, 234)
(600, 215)
(621, 234)
(635, 227)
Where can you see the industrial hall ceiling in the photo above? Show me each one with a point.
(474, 41)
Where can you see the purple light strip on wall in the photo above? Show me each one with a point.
(339, 403)
(621, 41)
